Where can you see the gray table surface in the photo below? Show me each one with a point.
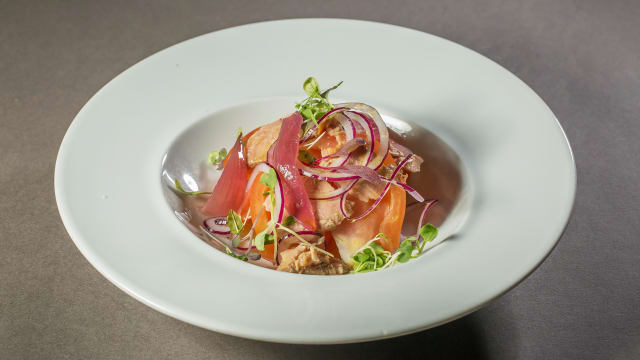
(582, 57)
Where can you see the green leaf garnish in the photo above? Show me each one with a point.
(269, 239)
(263, 239)
(371, 257)
(311, 87)
(288, 221)
(406, 250)
(306, 157)
(234, 222)
(269, 179)
(180, 190)
(428, 233)
(307, 113)
(317, 104)
(216, 157)
(325, 93)
(239, 257)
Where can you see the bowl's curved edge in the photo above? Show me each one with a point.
(122, 284)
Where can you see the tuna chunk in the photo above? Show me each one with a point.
(259, 143)
(398, 152)
(307, 260)
(327, 212)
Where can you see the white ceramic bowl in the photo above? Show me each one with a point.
(516, 194)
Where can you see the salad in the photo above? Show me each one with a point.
(322, 190)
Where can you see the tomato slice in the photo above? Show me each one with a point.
(251, 205)
(228, 192)
(284, 158)
(386, 218)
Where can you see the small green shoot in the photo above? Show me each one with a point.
(180, 190)
(317, 103)
(217, 157)
(234, 222)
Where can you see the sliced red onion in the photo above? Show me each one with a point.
(369, 118)
(346, 150)
(383, 133)
(365, 173)
(411, 191)
(358, 171)
(349, 134)
(334, 193)
(379, 199)
(366, 212)
(371, 139)
(311, 144)
(311, 130)
(321, 174)
(217, 225)
(401, 148)
(428, 206)
(348, 126)
(341, 157)
(244, 248)
(225, 241)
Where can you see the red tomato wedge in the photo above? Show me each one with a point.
(244, 141)
(228, 192)
(283, 158)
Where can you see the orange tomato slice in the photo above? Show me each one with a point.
(252, 204)
(386, 218)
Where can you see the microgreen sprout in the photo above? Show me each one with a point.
(264, 238)
(234, 222)
(428, 233)
(239, 257)
(288, 221)
(306, 157)
(282, 227)
(216, 157)
(270, 179)
(372, 256)
(317, 104)
(180, 190)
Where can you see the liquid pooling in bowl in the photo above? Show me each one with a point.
(442, 177)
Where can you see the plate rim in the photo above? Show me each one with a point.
(106, 271)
